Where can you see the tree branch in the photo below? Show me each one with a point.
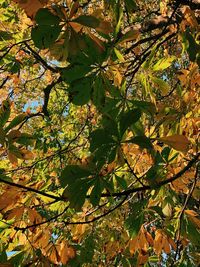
(47, 92)
(147, 187)
(116, 194)
(30, 189)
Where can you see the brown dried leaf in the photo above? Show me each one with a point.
(176, 141)
(158, 242)
(13, 159)
(31, 6)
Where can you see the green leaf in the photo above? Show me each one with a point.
(5, 178)
(133, 224)
(163, 63)
(119, 19)
(121, 182)
(76, 192)
(16, 121)
(89, 21)
(80, 92)
(98, 138)
(17, 258)
(45, 17)
(128, 118)
(87, 250)
(15, 67)
(95, 194)
(142, 142)
(193, 233)
(4, 36)
(2, 136)
(145, 106)
(72, 173)
(137, 128)
(119, 55)
(3, 257)
(131, 5)
(192, 47)
(161, 85)
(98, 94)
(149, 60)
(25, 139)
(75, 72)
(44, 36)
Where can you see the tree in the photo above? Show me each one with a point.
(99, 133)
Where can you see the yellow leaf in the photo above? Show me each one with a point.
(176, 141)
(167, 210)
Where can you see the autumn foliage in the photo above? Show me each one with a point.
(99, 133)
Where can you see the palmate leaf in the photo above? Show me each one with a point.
(100, 67)
(75, 179)
(75, 72)
(142, 141)
(80, 91)
(16, 121)
(76, 192)
(89, 21)
(103, 146)
(95, 194)
(135, 219)
(45, 35)
(98, 93)
(45, 17)
(128, 118)
(73, 172)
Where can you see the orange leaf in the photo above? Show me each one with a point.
(26, 154)
(158, 242)
(104, 27)
(63, 252)
(31, 6)
(71, 252)
(166, 246)
(14, 134)
(13, 159)
(176, 141)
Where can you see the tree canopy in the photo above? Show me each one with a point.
(99, 141)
